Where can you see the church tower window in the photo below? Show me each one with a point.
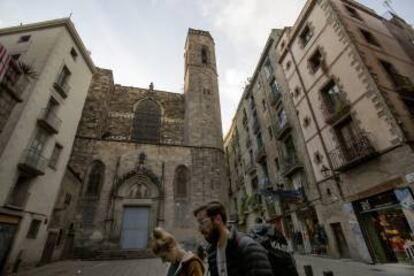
(204, 55)
(181, 182)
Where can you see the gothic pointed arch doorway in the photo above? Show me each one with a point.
(137, 206)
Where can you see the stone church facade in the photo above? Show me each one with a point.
(147, 158)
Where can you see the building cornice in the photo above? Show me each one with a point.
(61, 22)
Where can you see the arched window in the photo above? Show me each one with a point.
(95, 179)
(181, 182)
(204, 55)
(147, 122)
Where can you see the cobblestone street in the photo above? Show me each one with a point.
(154, 267)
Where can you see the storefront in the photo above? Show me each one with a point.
(387, 222)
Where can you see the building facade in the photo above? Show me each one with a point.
(40, 113)
(354, 78)
(148, 158)
(270, 174)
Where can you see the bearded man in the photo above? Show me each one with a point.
(230, 253)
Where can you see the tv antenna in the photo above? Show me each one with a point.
(387, 3)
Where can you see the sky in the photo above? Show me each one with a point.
(142, 41)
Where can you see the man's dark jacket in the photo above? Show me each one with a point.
(244, 256)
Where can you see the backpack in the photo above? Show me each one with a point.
(282, 262)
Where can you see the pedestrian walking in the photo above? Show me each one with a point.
(230, 253)
(182, 263)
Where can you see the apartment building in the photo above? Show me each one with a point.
(270, 174)
(351, 77)
(47, 71)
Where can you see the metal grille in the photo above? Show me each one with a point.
(147, 122)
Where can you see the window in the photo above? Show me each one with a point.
(315, 61)
(204, 55)
(55, 156)
(268, 69)
(282, 119)
(330, 93)
(74, 54)
(255, 183)
(353, 12)
(63, 76)
(288, 64)
(181, 180)
(347, 134)
(33, 229)
(369, 37)
(277, 163)
(68, 199)
(264, 105)
(24, 38)
(391, 72)
(269, 129)
(38, 142)
(147, 122)
(95, 179)
(275, 88)
(305, 36)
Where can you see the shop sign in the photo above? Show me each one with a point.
(410, 177)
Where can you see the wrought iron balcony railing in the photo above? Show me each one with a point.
(352, 153)
(62, 87)
(32, 162)
(261, 152)
(14, 82)
(280, 129)
(275, 97)
(290, 164)
(404, 85)
(49, 120)
(334, 112)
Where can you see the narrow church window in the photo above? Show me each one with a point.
(147, 122)
(204, 55)
(95, 179)
(180, 182)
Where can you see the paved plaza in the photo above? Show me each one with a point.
(154, 267)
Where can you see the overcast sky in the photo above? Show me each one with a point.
(143, 40)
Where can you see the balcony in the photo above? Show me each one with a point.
(14, 82)
(265, 184)
(290, 164)
(49, 120)
(281, 129)
(352, 153)
(275, 97)
(256, 126)
(248, 142)
(261, 152)
(334, 112)
(62, 88)
(250, 166)
(32, 163)
(404, 85)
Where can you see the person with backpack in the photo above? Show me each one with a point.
(230, 253)
(283, 263)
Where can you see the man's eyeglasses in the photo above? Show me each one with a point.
(203, 222)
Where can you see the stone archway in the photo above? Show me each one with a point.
(136, 208)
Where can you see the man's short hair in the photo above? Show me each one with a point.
(213, 208)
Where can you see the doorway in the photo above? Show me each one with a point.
(340, 240)
(135, 224)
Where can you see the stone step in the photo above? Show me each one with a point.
(120, 255)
